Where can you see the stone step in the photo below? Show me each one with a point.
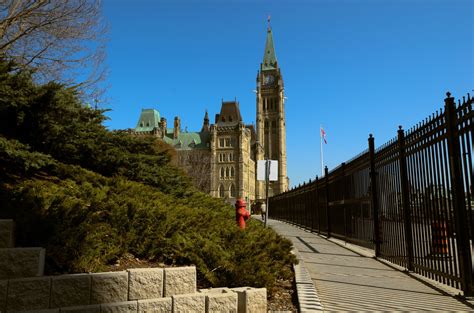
(7, 228)
(21, 262)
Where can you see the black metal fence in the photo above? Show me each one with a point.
(411, 200)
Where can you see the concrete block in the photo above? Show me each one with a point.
(21, 262)
(28, 294)
(179, 280)
(221, 302)
(120, 307)
(215, 290)
(195, 302)
(109, 287)
(41, 311)
(70, 290)
(7, 228)
(3, 295)
(251, 300)
(161, 305)
(145, 283)
(82, 309)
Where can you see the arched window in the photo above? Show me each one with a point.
(226, 172)
(232, 172)
(232, 191)
(221, 191)
(222, 172)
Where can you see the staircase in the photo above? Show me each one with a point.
(24, 288)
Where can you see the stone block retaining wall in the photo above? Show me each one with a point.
(23, 288)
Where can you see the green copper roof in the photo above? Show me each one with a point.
(149, 119)
(269, 56)
(188, 141)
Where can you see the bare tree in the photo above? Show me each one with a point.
(60, 39)
(197, 164)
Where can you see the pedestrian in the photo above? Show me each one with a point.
(263, 209)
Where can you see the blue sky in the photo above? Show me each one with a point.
(354, 66)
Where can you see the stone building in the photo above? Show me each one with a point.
(222, 157)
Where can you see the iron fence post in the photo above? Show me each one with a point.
(459, 200)
(318, 203)
(405, 197)
(373, 198)
(344, 206)
(328, 216)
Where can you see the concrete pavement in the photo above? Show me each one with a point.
(348, 281)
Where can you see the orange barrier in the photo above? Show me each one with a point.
(439, 238)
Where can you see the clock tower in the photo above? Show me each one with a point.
(271, 128)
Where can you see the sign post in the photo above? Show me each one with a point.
(267, 170)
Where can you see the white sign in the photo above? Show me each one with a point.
(273, 175)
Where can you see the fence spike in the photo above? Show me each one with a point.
(468, 97)
(463, 99)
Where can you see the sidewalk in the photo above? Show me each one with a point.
(346, 281)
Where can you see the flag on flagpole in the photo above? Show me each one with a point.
(323, 135)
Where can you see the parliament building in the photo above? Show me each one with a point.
(222, 157)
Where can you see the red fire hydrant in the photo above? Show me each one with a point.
(241, 214)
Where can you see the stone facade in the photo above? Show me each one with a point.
(222, 157)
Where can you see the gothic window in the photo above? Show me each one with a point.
(227, 142)
(231, 157)
(232, 191)
(266, 123)
(232, 142)
(226, 172)
(232, 172)
(221, 142)
(221, 191)
(222, 172)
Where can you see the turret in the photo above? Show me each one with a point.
(177, 127)
(163, 126)
(205, 125)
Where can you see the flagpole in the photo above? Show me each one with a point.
(321, 142)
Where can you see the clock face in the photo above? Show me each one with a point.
(268, 79)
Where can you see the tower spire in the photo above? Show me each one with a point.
(269, 56)
(205, 125)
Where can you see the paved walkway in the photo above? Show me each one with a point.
(347, 281)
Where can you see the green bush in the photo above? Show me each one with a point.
(91, 196)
